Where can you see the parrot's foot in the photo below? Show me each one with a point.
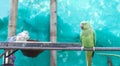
(82, 48)
(93, 48)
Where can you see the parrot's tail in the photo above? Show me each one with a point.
(89, 58)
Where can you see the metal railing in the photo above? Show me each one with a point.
(52, 46)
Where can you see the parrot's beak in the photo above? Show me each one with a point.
(81, 26)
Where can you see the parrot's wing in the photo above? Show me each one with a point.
(94, 38)
(81, 38)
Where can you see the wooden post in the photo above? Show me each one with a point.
(11, 26)
(53, 29)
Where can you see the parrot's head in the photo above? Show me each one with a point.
(85, 25)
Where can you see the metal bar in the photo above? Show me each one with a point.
(12, 52)
(53, 30)
(65, 48)
(12, 19)
(8, 54)
(11, 27)
(52, 46)
(3, 53)
(38, 43)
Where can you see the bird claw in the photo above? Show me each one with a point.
(82, 48)
(93, 48)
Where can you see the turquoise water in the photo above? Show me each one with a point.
(34, 16)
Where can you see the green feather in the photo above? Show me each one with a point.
(87, 38)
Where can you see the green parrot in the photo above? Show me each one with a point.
(87, 38)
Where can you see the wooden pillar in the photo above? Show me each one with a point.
(53, 30)
(11, 26)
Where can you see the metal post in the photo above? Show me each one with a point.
(11, 26)
(53, 20)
